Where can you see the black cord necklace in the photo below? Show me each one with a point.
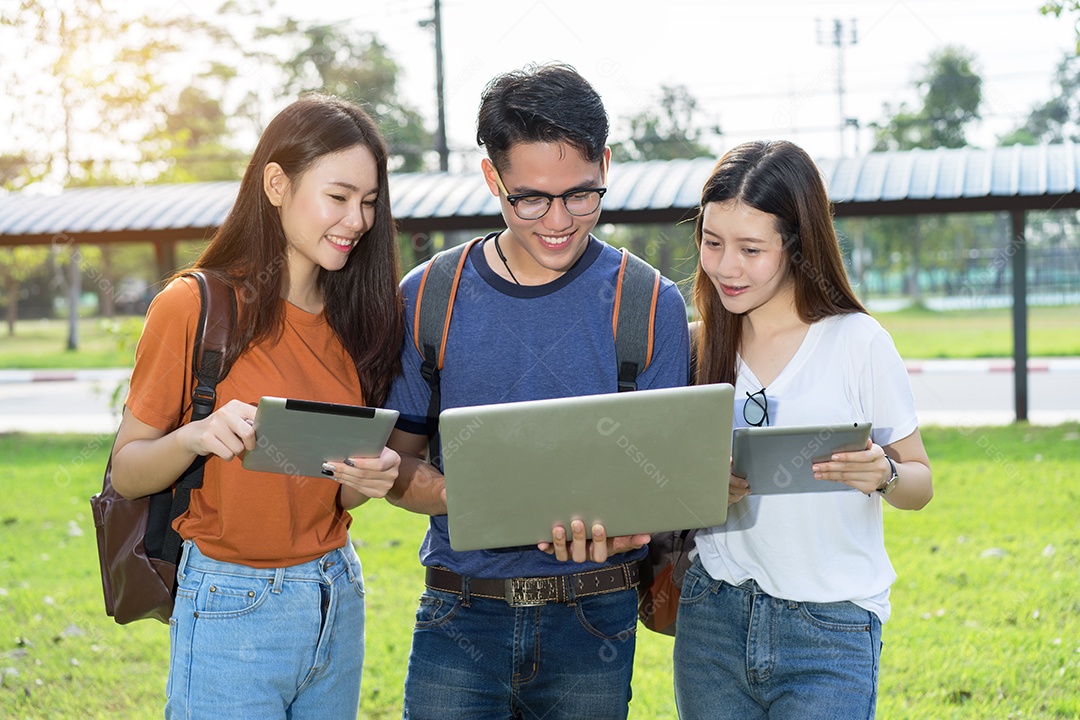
(503, 258)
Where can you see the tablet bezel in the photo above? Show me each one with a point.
(295, 437)
(778, 460)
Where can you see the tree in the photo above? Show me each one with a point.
(93, 84)
(1057, 119)
(192, 144)
(950, 90)
(667, 132)
(1056, 8)
(354, 65)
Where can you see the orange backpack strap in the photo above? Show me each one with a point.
(431, 323)
(633, 320)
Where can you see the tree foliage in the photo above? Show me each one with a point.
(950, 91)
(666, 132)
(1058, 7)
(1058, 119)
(93, 84)
(354, 65)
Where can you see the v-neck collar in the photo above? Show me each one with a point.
(813, 333)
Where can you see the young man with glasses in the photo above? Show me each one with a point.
(532, 320)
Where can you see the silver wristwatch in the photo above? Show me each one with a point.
(890, 484)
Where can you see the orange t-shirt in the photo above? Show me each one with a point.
(253, 518)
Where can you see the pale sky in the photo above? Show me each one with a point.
(756, 68)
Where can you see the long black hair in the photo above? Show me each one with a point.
(780, 179)
(362, 302)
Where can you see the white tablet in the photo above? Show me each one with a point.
(295, 437)
(778, 460)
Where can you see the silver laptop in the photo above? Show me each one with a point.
(644, 461)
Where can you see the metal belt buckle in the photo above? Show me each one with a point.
(524, 592)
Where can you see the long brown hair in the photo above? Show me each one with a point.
(249, 250)
(778, 178)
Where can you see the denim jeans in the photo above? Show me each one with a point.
(484, 659)
(266, 643)
(741, 653)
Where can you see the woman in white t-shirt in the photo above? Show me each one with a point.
(781, 613)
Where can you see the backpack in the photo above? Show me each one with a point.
(665, 565)
(633, 324)
(137, 546)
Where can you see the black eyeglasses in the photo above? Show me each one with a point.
(534, 205)
(755, 409)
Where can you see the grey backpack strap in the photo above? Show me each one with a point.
(634, 318)
(431, 322)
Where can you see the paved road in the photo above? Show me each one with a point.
(946, 393)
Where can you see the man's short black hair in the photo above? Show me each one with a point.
(541, 103)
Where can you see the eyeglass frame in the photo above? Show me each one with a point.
(763, 406)
(516, 197)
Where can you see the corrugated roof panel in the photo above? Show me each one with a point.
(1061, 168)
(174, 208)
(456, 193)
(943, 174)
(872, 177)
(78, 211)
(697, 173)
(640, 197)
(431, 195)
(219, 200)
(481, 202)
(896, 182)
(1032, 165)
(668, 183)
(977, 173)
(20, 210)
(844, 179)
(924, 173)
(1005, 172)
(622, 180)
(949, 179)
(405, 196)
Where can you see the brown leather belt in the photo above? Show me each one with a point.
(519, 592)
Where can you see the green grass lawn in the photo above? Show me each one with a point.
(986, 609)
(922, 333)
(918, 333)
(43, 344)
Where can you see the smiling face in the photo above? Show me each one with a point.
(325, 211)
(539, 251)
(743, 254)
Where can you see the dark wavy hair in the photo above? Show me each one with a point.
(541, 103)
(362, 302)
(778, 178)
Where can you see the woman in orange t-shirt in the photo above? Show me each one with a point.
(269, 613)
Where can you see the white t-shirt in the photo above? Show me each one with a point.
(820, 547)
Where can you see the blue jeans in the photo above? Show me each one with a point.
(266, 643)
(484, 659)
(742, 653)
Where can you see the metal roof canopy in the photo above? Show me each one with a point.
(1011, 179)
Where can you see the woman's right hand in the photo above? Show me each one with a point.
(227, 432)
(738, 488)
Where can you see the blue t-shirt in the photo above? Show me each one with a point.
(510, 343)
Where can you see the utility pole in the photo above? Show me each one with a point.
(841, 42)
(440, 130)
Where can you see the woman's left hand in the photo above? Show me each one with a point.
(865, 470)
(370, 476)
